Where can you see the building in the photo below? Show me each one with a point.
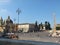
(26, 27)
(58, 27)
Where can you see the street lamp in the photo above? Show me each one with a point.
(18, 11)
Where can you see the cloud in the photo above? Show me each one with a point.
(4, 1)
(4, 12)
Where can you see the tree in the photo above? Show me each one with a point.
(46, 24)
(41, 26)
(36, 27)
(49, 26)
(4, 22)
(1, 21)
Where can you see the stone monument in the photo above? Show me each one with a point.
(9, 25)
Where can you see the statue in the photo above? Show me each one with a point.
(9, 25)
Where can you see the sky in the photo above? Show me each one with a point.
(31, 10)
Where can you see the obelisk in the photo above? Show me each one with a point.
(54, 28)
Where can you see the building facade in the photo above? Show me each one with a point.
(58, 27)
(26, 27)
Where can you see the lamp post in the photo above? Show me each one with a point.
(18, 11)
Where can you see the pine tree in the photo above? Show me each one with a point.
(36, 27)
(41, 26)
(46, 24)
(49, 26)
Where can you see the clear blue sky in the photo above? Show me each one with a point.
(31, 10)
